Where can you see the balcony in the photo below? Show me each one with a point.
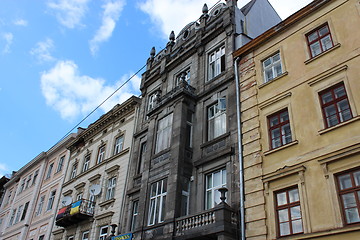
(75, 212)
(221, 220)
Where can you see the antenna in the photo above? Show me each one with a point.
(66, 201)
(95, 189)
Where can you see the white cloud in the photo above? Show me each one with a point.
(172, 15)
(69, 12)
(73, 94)
(112, 10)
(3, 169)
(20, 22)
(8, 38)
(285, 7)
(42, 50)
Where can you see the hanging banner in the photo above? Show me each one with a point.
(123, 236)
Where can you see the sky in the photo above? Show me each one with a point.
(60, 58)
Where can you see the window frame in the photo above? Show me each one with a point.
(40, 205)
(164, 134)
(353, 189)
(216, 118)
(187, 77)
(101, 154)
(142, 153)
(134, 215)
(216, 62)
(272, 66)
(157, 202)
(119, 146)
(73, 172)
(279, 126)
(214, 189)
(86, 164)
(319, 40)
(334, 103)
(49, 171)
(288, 207)
(110, 189)
(83, 233)
(51, 200)
(60, 164)
(103, 236)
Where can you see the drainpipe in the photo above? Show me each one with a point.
(241, 161)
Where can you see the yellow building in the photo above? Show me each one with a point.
(300, 103)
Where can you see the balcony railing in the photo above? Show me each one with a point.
(221, 219)
(75, 212)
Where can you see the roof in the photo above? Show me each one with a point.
(246, 9)
(282, 26)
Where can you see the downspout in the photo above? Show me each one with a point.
(241, 161)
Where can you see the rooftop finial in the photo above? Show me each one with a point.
(205, 9)
(172, 36)
(152, 52)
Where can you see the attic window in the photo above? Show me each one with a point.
(216, 12)
(186, 34)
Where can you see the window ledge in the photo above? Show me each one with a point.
(212, 141)
(322, 54)
(282, 147)
(107, 202)
(354, 119)
(274, 79)
(329, 233)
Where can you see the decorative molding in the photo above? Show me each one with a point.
(282, 147)
(284, 172)
(68, 192)
(95, 177)
(327, 74)
(274, 100)
(339, 154)
(80, 185)
(112, 169)
(322, 54)
(274, 79)
(323, 131)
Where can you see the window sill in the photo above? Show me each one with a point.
(322, 54)
(282, 147)
(216, 77)
(354, 119)
(107, 202)
(274, 79)
(212, 141)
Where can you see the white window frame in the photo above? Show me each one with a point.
(35, 177)
(134, 215)
(119, 144)
(110, 191)
(216, 63)
(86, 162)
(84, 237)
(212, 195)
(28, 181)
(79, 196)
(22, 185)
(151, 101)
(48, 175)
(12, 217)
(101, 154)
(73, 170)
(216, 119)
(157, 208)
(51, 200)
(60, 164)
(163, 134)
(102, 236)
(187, 77)
(271, 65)
(18, 214)
(40, 205)
(70, 238)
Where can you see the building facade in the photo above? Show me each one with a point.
(29, 204)
(300, 125)
(93, 190)
(185, 142)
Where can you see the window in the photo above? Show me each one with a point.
(279, 129)
(103, 232)
(51, 200)
(60, 164)
(49, 170)
(85, 235)
(335, 105)
(163, 134)
(319, 40)
(152, 101)
(22, 186)
(35, 176)
(157, 202)
(73, 171)
(18, 214)
(272, 67)
(185, 198)
(216, 62)
(86, 163)
(119, 143)
(79, 196)
(189, 129)
(141, 157)
(217, 119)
(28, 181)
(101, 154)
(134, 214)
(41, 237)
(70, 238)
(40, 205)
(110, 192)
(185, 75)
(349, 191)
(214, 181)
(12, 216)
(25, 210)
(288, 212)
(8, 197)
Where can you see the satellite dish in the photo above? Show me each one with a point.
(66, 200)
(95, 189)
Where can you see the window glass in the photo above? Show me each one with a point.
(319, 40)
(214, 181)
(272, 67)
(157, 202)
(217, 119)
(216, 62)
(279, 129)
(163, 135)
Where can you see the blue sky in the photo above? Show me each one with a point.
(60, 58)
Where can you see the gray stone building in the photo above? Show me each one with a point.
(186, 138)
